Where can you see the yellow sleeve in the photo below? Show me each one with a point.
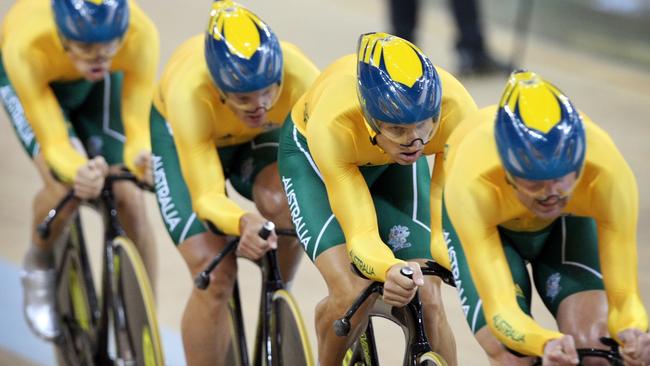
(350, 199)
(43, 113)
(191, 118)
(615, 201)
(140, 69)
(469, 206)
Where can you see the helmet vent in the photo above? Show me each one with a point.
(514, 162)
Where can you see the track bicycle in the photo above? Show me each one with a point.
(120, 327)
(281, 337)
(612, 355)
(363, 351)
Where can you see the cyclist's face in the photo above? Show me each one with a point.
(545, 198)
(252, 107)
(405, 143)
(92, 60)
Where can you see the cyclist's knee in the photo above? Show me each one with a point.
(198, 251)
(128, 197)
(342, 297)
(584, 316)
(431, 297)
(269, 196)
(588, 335)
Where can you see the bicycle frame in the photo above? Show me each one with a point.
(271, 282)
(111, 299)
(409, 318)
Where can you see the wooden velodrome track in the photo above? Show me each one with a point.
(615, 96)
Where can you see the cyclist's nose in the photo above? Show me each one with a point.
(263, 101)
(417, 142)
(554, 188)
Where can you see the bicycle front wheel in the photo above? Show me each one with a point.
(288, 334)
(431, 359)
(138, 302)
(75, 302)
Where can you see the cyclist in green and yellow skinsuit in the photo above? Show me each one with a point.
(216, 117)
(77, 79)
(534, 180)
(352, 162)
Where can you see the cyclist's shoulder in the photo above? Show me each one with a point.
(299, 71)
(596, 135)
(188, 57)
(292, 53)
(602, 153)
(454, 91)
(141, 21)
(332, 99)
(26, 26)
(185, 73)
(473, 135)
(141, 40)
(470, 154)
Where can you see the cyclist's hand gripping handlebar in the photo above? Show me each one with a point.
(202, 280)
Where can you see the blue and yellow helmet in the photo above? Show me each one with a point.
(539, 134)
(397, 83)
(91, 21)
(242, 52)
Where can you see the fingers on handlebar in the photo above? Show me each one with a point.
(561, 351)
(257, 238)
(400, 285)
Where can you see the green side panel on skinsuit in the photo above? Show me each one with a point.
(405, 231)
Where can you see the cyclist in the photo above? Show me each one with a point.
(76, 79)
(352, 166)
(216, 117)
(542, 185)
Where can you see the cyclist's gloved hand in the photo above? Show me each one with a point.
(89, 180)
(251, 245)
(142, 164)
(636, 347)
(560, 352)
(399, 289)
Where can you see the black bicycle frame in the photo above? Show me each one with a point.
(410, 317)
(111, 298)
(271, 282)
